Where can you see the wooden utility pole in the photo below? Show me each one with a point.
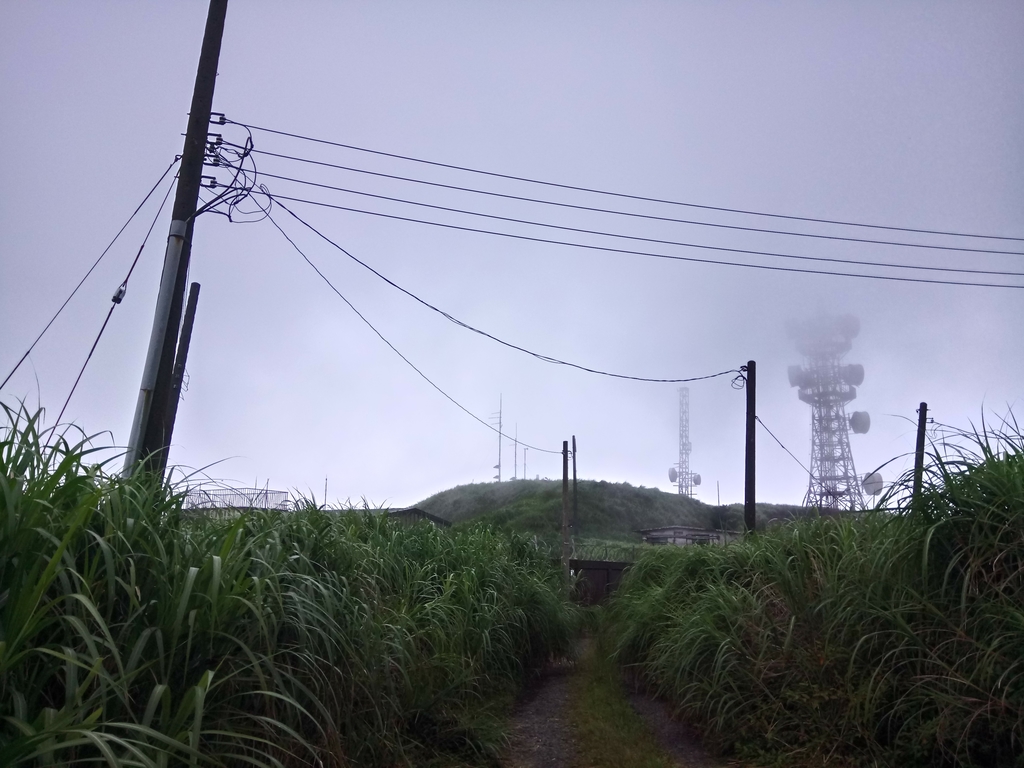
(922, 419)
(178, 374)
(153, 421)
(566, 551)
(749, 510)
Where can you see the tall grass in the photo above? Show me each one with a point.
(134, 634)
(892, 639)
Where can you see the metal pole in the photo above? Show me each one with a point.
(144, 405)
(749, 510)
(565, 511)
(150, 435)
(178, 374)
(575, 501)
(922, 419)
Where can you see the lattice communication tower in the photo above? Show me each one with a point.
(680, 474)
(827, 385)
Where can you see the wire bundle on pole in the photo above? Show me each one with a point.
(929, 241)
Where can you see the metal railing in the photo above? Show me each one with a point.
(623, 553)
(219, 497)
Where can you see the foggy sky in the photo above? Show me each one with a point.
(906, 114)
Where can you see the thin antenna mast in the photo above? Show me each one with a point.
(500, 436)
(515, 454)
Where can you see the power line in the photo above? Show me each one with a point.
(467, 326)
(631, 214)
(86, 363)
(89, 272)
(114, 301)
(639, 238)
(805, 469)
(626, 196)
(651, 254)
(392, 346)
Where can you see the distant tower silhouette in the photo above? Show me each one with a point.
(827, 386)
(680, 474)
(500, 436)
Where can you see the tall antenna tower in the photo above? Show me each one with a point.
(827, 386)
(680, 474)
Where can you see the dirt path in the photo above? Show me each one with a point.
(681, 742)
(542, 736)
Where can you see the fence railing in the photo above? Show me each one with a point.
(622, 553)
(223, 498)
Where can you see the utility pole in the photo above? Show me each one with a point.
(575, 504)
(922, 419)
(153, 420)
(749, 510)
(565, 511)
(178, 374)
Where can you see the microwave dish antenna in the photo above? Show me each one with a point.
(873, 484)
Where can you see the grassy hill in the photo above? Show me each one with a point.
(607, 511)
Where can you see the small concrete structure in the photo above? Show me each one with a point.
(683, 535)
(595, 579)
(415, 515)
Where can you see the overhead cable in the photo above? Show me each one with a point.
(651, 254)
(467, 326)
(622, 195)
(630, 214)
(114, 301)
(657, 241)
(89, 272)
(805, 469)
(392, 346)
(88, 357)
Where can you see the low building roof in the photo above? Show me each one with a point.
(670, 530)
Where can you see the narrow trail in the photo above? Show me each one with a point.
(680, 741)
(542, 733)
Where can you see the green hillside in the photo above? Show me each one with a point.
(607, 511)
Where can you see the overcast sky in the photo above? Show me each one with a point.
(905, 114)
